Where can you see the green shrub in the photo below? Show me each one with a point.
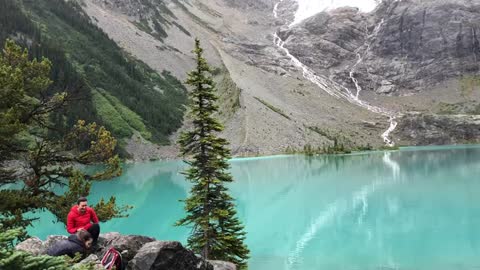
(110, 116)
(129, 116)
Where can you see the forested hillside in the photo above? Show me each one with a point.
(107, 85)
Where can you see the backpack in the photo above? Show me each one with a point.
(112, 258)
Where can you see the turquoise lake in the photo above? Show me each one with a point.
(416, 208)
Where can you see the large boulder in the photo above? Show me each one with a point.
(166, 255)
(36, 246)
(127, 245)
(105, 238)
(32, 245)
(52, 240)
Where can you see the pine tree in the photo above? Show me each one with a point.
(25, 107)
(216, 231)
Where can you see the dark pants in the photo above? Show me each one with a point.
(94, 230)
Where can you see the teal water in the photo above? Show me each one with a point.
(417, 208)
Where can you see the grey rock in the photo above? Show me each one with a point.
(105, 238)
(36, 246)
(138, 252)
(166, 255)
(421, 129)
(411, 44)
(52, 239)
(368, 124)
(127, 245)
(386, 87)
(327, 41)
(134, 9)
(32, 245)
(221, 265)
(249, 4)
(19, 168)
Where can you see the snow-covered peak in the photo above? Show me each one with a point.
(308, 8)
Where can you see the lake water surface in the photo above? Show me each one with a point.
(417, 208)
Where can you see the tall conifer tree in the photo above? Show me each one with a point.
(25, 107)
(217, 233)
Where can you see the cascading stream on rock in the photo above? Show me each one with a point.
(336, 90)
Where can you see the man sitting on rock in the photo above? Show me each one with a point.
(79, 242)
(82, 217)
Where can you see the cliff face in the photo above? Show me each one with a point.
(401, 48)
(432, 129)
(327, 41)
(423, 43)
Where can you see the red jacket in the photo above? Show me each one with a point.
(76, 220)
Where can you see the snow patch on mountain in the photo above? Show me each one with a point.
(308, 8)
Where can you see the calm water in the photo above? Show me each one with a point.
(418, 208)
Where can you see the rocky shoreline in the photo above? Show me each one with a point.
(138, 252)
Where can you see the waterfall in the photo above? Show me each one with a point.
(360, 56)
(334, 89)
(275, 9)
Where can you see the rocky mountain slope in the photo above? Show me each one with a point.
(408, 56)
(338, 76)
(341, 74)
(104, 83)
